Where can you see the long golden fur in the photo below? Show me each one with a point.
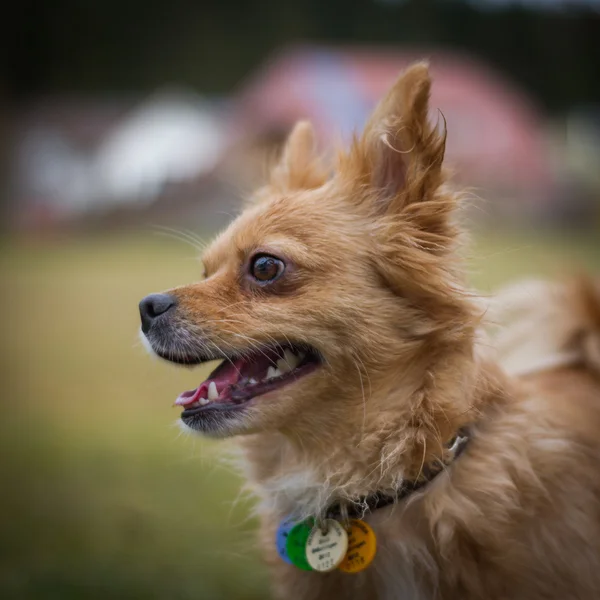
(374, 283)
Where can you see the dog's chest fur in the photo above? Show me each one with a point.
(404, 567)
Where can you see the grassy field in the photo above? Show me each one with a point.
(101, 497)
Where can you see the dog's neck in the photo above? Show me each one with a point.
(403, 425)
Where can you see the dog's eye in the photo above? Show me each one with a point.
(266, 268)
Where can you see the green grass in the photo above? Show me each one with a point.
(101, 497)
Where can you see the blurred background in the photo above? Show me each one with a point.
(129, 131)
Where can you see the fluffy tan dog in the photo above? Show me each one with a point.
(355, 360)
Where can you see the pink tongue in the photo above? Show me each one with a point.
(226, 374)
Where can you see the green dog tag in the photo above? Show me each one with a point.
(295, 545)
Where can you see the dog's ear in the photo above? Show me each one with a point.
(394, 172)
(299, 167)
(399, 156)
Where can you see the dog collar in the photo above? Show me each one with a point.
(340, 539)
(363, 505)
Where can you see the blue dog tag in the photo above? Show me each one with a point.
(281, 538)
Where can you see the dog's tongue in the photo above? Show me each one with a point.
(228, 373)
(224, 375)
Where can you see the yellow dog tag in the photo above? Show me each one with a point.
(362, 546)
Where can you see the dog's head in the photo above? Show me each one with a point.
(328, 286)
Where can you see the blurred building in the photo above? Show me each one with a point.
(78, 158)
(496, 134)
(176, 157)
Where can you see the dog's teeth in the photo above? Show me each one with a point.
(213, 393)
(291, 359)
(252, 381)
(271, 373)
(204, 401)
(284, 366)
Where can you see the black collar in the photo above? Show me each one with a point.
(363, 505)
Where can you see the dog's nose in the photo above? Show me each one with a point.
(153, 306)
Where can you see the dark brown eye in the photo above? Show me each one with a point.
(266, 268)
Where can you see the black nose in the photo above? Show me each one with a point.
(153, 306)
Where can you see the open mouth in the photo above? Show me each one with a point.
(237, 381)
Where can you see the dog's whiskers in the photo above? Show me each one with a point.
(184, 236)
(269, 336)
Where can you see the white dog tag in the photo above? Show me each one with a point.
(326, 546)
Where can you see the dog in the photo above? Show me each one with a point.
(361, 380)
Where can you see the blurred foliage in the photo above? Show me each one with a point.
(101, 496)
(68, 45)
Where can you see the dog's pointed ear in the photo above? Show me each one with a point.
(399, 156)
(394, 172)
(299, 167)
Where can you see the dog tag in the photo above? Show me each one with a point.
(281, 539)
(326, 546)
(295, 546)
(362, 546)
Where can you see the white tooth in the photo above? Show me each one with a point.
(284, 366)
(213, 393)
(271, 372)
(203, 401)
(252, 381)
(291, 358)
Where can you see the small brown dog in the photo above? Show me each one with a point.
(357, 374)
